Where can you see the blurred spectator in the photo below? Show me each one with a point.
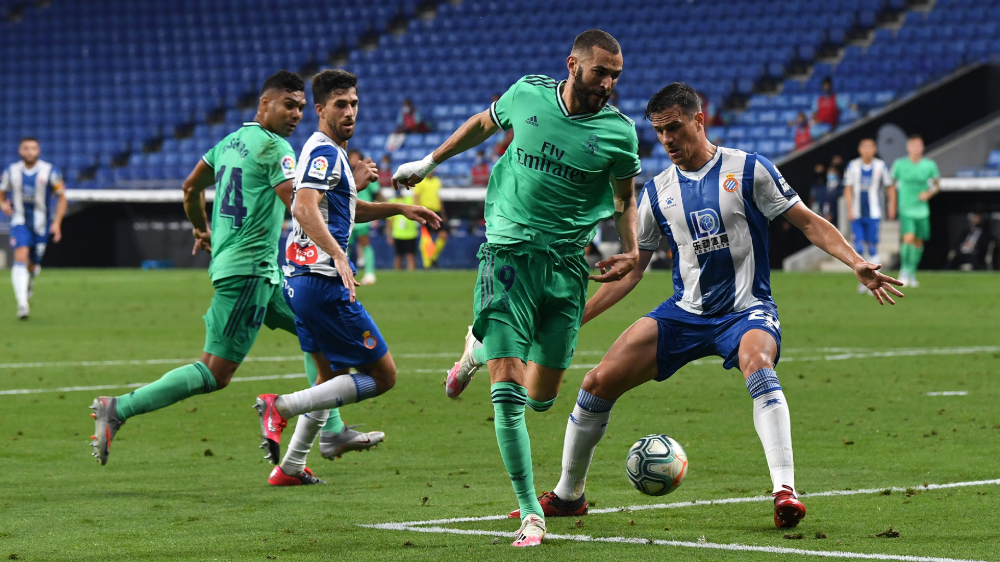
(712, 117)
(385, 171)
(427, 194)
(404, 233)
(826, 110)
(480, 170)
(817, 192)
(501, 146)
(803, 137)
(834, 188)
(975, 247)
(410, 120)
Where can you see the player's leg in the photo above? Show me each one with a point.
(630, 362)
(922, 232)
(231, 325)
(367, 252)
(35, 254)
(872, 239)
(20, 277)
(907, 249)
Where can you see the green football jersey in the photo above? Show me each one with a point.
(553, 184)
(247, 216)
(369, 193)
(912, 180)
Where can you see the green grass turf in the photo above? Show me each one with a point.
(858, 423)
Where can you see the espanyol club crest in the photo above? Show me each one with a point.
(318, 167)
(731, 184)
(369, 340)
(288, 166)
(301, 255)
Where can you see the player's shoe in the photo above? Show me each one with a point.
(279, 478)
(332, 445)
(554, 506)
(22, 312)
(106, 425)
(271, 425)
(788, 510)
(461, 373)
(912, 282)
(368, 279)
(904, 278)
(531, 533)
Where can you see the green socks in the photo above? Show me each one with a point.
(369, 253)
(333, 423)
(171, 388)
(479, 355)
(540, 406)
(917, 253)
(515, 446)
(909, 257)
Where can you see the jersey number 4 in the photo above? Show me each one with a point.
(233, 191)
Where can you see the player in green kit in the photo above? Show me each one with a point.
(361, 232)
(252, 171)
(916, 180)
(571, 165)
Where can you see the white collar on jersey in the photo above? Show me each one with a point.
(703, 171)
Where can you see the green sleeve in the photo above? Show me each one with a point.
(284, 167)
(500, 110)
(627, 164)
(935, 173)
(894, 172)
(209, 157)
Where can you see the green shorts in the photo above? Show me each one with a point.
(921, 227)
(240, 305)
(361, 229)
(529, 303)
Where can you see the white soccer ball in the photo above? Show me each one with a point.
(656, 465)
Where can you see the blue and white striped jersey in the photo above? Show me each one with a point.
(716, 220)
(866, 181)
(323, 166)
(29, 190)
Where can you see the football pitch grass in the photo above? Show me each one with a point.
(864, 385)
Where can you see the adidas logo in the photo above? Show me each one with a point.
(533, 120)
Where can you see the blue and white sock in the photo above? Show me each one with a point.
(585, 428)
(20, 278)
(306, 428)
(773, 425)
(334, 393)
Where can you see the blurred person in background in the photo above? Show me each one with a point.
(863, 182)
(28, 183)
(385, 171)
(410, 120)
(916, 181)
(803, 136)
(365, 252)
(974, 249)
(480, 170)
(826, 110)
(427, 194)
(404, 233)
(834, 188)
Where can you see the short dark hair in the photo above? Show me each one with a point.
(285, 81)
(912, 136)
(591, 38)
(330, 81)
(677, 94)
(360, 154)
(28, 139)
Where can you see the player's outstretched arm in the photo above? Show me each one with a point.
(367, 212)
(471, 134)
(610, 293)
(194, 186)
(306, 212)
(827, 238)
(627, 222)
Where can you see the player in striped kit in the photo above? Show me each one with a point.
(713, 205)
(864, 179)
(30, 182)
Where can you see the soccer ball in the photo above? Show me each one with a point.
(656, 465)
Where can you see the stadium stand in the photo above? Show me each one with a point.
(136, 98)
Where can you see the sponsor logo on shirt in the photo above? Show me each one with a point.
(533, 120)
(301, 255)
(288, 166)
(706, 223)
(731, 184)
(318, 168)
(710, 244)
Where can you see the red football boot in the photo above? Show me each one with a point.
(788, 510)
(279, 478)
(271, 424)
(553, 506)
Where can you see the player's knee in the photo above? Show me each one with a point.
(600, 382)
(753, 361)
(385, 377)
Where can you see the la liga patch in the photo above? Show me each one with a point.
(288, 167)
(318, 167)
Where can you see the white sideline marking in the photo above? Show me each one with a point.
(135, 385)
(423, 526)
(949, 393)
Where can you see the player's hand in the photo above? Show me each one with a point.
(202, 240)
(364, 173)
(412, 173)
(422, 215)
(924, 195)
(615, 267)
(56, 230)
(6, 208)
(346, 275)
(880, 285)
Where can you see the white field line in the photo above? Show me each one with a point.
(949, 393)
(657, 542)
(135, 385)
(840, 354)
(431, 526)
